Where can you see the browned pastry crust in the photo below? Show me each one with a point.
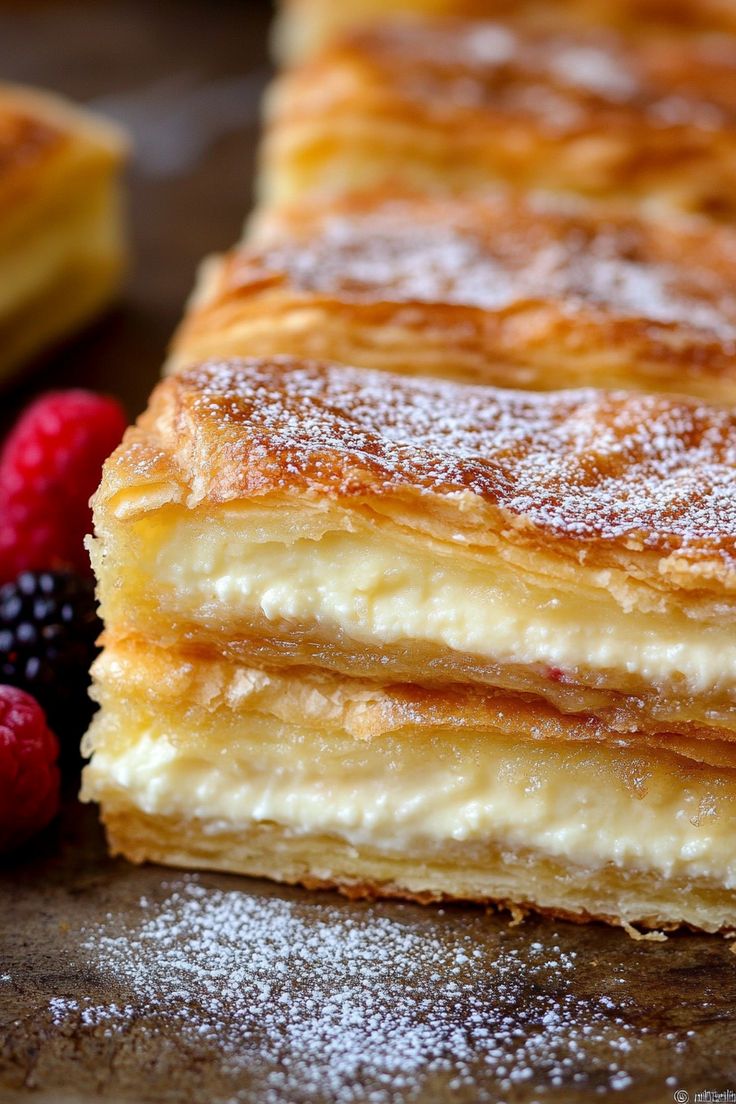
(644, 480)
(26, 142)
(515, 293)
(448, 104)
(632, 495)
(306, 25)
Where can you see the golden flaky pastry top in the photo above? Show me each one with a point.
(25, 141)
(493, 254)
(451, 105)
(587, 470)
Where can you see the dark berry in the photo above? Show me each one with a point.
(48, 632)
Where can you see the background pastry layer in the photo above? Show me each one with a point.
(61, 230)
(504, 291)
(455, 106)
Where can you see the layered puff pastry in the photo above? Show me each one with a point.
(373, 788)
(305, 26)
(510, 292)
(453, 105)
(61, 239)
(413, 637)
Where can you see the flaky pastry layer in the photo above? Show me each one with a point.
(454, 105)
(501, 291)
(60, 278)
(405, 791)
(573, 545)
(512, 879)
(221, 695)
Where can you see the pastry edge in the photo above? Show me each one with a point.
(143, 838)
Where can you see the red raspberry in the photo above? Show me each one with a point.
(29, 776)
(49, 468)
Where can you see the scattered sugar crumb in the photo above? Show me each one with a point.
(319, 1003)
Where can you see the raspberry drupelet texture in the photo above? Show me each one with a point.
(50, 466)
(29, 775)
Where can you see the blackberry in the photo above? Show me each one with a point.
(48, 632)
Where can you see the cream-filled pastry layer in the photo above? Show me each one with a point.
(592, 806)
(306, 776)
(377, 585)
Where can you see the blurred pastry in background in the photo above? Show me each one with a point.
(61, 235)
(448, 105)
(305, 26)
(507, 291)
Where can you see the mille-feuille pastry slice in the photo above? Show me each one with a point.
(451, 105)
(576, 547)
(304, 26)
(381, 789)
(61, 238)
(501, 291)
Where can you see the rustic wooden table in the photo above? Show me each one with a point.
(131, 985)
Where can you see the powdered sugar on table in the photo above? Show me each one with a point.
(349, 1004)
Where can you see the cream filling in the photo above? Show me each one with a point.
(559, 802)
(384, 590)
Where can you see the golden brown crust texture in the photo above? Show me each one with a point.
(609, 473)
(500, 291)
(45, 143)
(456, 104)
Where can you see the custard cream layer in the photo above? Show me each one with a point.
(591, 807)
(379, 585)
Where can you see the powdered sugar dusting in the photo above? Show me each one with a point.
(445, 64)
(335, 1004)
(587, 464)
(496, 255)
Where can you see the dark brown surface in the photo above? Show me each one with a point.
(677, 998)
